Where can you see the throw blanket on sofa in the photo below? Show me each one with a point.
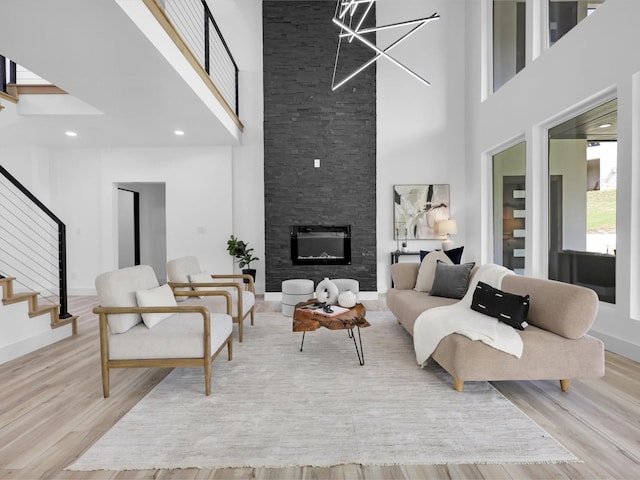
(436, 323)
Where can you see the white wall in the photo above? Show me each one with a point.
(420, 129)
(82, 186)
(241, 25)
(558, 84)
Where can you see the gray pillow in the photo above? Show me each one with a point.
(451, 281)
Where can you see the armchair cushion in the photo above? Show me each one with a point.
(179, 269)
(179, 336)
(161, 296)
(118, 289)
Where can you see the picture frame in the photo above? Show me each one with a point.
(417, 209)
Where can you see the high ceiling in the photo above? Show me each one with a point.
(125, 92)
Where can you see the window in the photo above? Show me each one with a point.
(509, 40)
(566, 14)
(509, 219)
(582, 200)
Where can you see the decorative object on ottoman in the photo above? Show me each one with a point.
(345, 284)
(347, 299)
(295, 290)
(327, 291)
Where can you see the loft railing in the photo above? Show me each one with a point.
(32, 243)
(195, 23)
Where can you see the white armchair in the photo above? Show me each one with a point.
(141, 325)
(185, 275)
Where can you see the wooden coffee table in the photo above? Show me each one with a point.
(307, 321)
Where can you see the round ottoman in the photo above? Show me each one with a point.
(345, 284)
(294, 291)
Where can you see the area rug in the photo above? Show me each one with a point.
(275, 406)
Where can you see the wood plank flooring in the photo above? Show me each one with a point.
(52, 410)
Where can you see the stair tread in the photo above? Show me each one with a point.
(19, 297)
(43, 309)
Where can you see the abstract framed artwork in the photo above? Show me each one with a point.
(417, 209)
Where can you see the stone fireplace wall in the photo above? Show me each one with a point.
(304, 120)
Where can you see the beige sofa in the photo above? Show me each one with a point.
(556, 344)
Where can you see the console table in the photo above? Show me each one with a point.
(395, 256)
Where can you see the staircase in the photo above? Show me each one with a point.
(35, 310)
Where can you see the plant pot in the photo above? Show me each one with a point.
(249, 271)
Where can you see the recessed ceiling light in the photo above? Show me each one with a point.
(605, 125)
(69, 133)
(178, 132)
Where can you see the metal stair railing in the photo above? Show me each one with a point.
(32, 243)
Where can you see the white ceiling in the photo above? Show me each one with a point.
(94, 51)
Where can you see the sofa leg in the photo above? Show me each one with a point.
(458, 384)
(240, 330)
(230, 347)
(564, 385)
(252, 311)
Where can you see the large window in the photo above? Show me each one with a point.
(509, 216)
(582, 200)
(566, 14)
(509, 40)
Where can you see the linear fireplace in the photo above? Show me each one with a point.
(321, 245)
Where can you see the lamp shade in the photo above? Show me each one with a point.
(447, 227)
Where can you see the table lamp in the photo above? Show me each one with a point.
(447, 227)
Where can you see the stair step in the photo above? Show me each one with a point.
(19, 297)
(43, 310)
(66, 321)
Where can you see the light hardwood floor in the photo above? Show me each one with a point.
(52, 410)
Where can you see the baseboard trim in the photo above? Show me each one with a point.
(618, 345)
(31, 344)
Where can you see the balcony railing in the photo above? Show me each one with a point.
(194, 22)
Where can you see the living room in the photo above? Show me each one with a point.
(442, 134)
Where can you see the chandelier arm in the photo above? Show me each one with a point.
(381, 52)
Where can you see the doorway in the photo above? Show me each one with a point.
(142, 231)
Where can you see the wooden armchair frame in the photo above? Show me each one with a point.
(204, 361)
(249, 286)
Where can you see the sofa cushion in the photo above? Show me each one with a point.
(161, 296)
(509, 308)
(118, 289)
(455, 254)
(451, 281)
(427, 271)
(407, 305)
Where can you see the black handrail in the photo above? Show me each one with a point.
(3, 73)
(208, 18)
(62, 241)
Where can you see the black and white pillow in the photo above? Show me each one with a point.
(506, 307)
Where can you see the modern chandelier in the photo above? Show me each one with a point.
(350, 16)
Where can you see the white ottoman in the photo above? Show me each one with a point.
(345, 284)
(294, 291)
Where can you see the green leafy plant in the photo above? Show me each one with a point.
(241, 252)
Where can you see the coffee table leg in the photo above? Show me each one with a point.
(302, 340)
(359, 352)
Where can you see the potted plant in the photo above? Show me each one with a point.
(243, 254)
